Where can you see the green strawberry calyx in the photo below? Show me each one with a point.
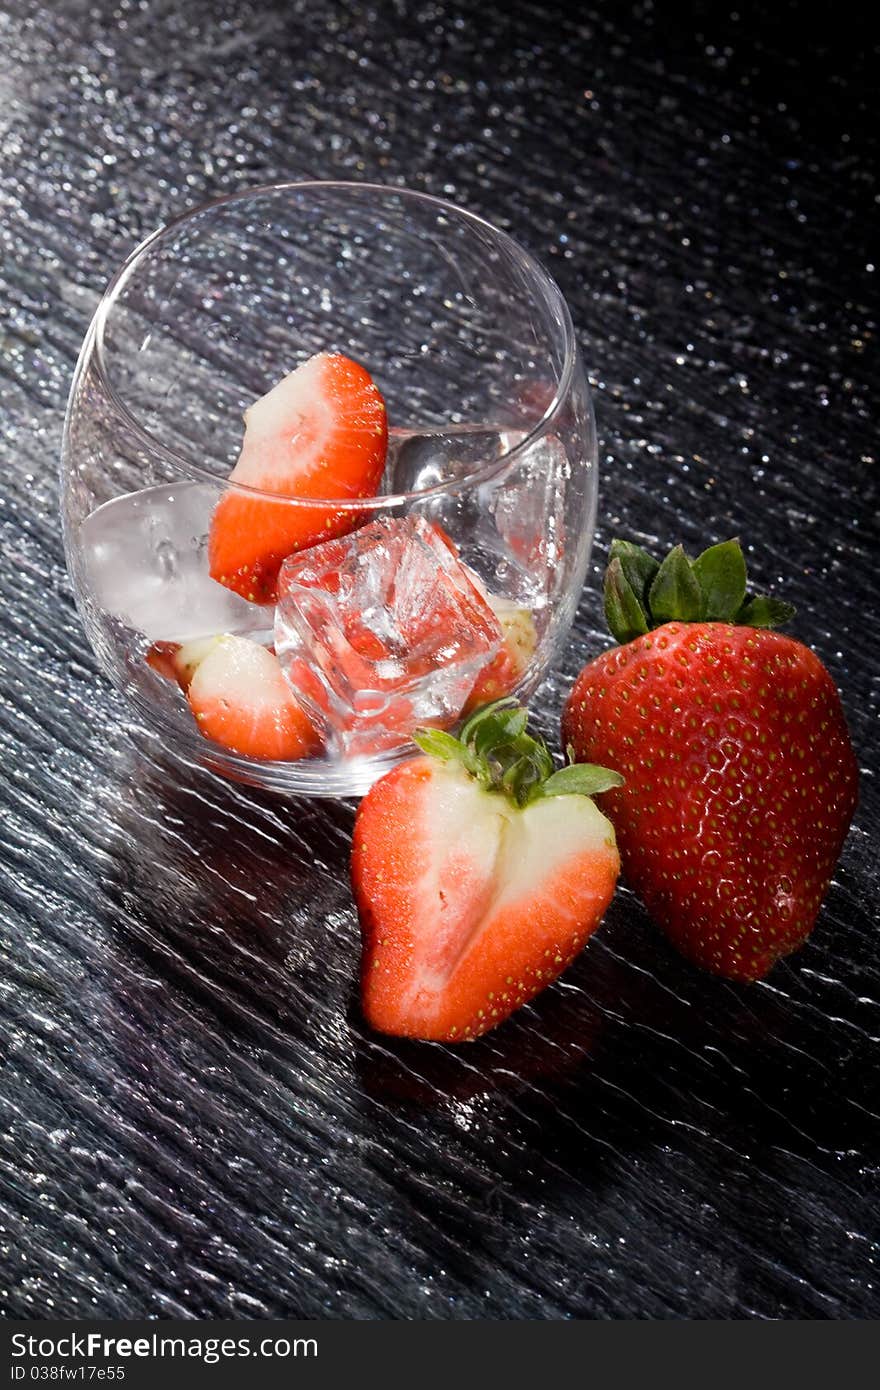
(493, 747)
(642, 593)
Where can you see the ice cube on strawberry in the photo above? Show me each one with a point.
(321, 433)
(382, 630)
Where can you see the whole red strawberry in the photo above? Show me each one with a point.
(739, 776)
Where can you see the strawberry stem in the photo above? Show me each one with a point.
(642, 593)
(494, 748)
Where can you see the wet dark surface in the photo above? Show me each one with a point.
(193, 1119)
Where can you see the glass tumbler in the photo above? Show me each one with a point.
(491, 433)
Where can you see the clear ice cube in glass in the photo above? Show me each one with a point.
(380, 631)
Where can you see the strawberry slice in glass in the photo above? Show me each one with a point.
(321, 433)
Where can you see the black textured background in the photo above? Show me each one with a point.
(193, 1120)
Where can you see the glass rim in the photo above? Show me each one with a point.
(183, 463)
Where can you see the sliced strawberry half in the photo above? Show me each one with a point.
(241, 700)
(509, 666)
(479, 873)
(179, 661)
(322, 432)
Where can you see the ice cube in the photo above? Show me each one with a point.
(380, 631)
(145, 563)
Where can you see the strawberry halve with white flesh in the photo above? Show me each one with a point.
(479, 874)
(179, 661)
(241, 700)
(520, 635)
(322, 432)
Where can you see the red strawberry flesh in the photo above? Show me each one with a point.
(320, 434)
(470, 903)
(241, 700)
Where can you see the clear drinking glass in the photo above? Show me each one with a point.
(471, 344)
